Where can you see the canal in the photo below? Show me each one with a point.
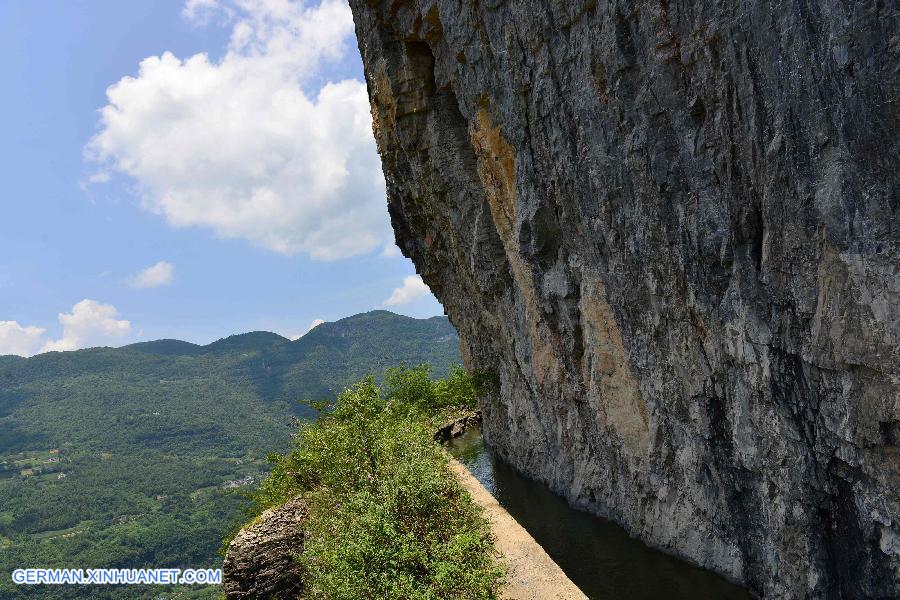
(596, 554)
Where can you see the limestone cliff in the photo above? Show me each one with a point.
(671, 229)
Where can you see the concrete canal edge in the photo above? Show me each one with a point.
(530, 572)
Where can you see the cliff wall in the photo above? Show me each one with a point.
(671, 229)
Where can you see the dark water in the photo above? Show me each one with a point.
(595, 553)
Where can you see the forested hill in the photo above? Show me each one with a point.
(122, 456)
(198, 391)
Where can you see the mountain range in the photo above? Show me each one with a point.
(136, 456)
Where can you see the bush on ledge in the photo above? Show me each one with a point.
(387, 519)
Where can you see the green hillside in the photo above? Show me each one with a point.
(136, 456)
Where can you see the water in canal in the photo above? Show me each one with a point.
(596, 554)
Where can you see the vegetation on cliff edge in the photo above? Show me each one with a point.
(138, 457)
(387, 517)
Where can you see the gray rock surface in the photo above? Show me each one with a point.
(457, 427)
(261, 559)
(670, 228)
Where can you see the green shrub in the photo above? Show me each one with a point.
(413, 392)
(387, 517)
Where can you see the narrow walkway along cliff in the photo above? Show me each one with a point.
(670, 230)
(530, 573)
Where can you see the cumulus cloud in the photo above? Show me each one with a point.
(391, 251)
(156, 275)
(315, 323)
(242, 145)
(413, 288)
(89, 324)
(18, 339)
(200, 11)
(100, 177)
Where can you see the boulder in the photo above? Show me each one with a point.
(261, 560)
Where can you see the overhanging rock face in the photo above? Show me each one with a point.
(670, 228)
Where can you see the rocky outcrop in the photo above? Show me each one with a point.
(457, 427)
(670, 228)
(261, 560)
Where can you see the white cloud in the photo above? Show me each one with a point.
(89, 324)
(200, 11)
(16, 339)
(99, 177)
(413, 288)
(153, 276)
(315, 323)
(239, 146)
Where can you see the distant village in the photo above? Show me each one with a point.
(32, 464)
(236, 483)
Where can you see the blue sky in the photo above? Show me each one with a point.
(246, 180)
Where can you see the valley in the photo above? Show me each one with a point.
(141, 455)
